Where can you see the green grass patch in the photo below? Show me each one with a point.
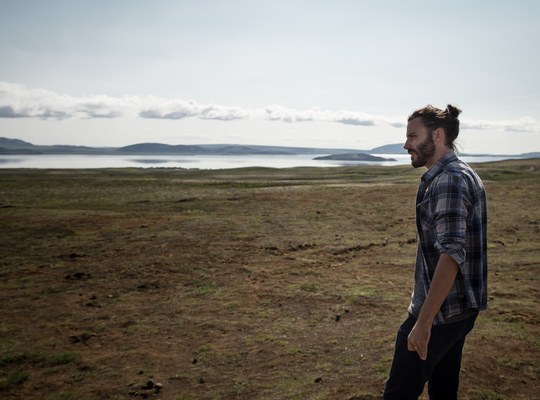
(14, 379)
(484, 394)
(309, 287)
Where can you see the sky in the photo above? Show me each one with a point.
(310, 73)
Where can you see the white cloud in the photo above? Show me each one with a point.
(223, 113)
(358, 118)
(154, 107)
(18, 101)
(278, 113)
(524, 124)
(355, 118)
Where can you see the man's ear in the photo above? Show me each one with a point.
(438, 135)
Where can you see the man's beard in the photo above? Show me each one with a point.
(424, 152)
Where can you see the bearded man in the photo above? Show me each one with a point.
(450, 278)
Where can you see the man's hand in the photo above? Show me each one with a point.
(418, 339)
(443, 279)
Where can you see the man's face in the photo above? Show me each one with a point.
(419, 143)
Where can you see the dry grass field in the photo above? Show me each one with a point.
(243, 284)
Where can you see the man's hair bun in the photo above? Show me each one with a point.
(452, 111)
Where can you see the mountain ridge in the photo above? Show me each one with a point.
(16, 146)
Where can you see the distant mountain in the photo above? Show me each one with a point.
(16, 146)
(214, 149)
(235, 149)
(353, 157)
(20, 151)
(159, 148)
(532, 155)
(11, 144)
(396, 148)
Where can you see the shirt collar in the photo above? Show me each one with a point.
(438, 167)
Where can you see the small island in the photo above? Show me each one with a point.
(353, 157)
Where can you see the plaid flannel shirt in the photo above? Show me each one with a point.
(451, 217)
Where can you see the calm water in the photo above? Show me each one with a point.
(201, 162)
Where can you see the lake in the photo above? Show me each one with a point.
(197, 161)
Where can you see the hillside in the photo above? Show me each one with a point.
(16, 146)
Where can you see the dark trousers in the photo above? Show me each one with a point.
(409, 373)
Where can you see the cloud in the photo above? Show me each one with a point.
(223, 113)
(356, 118)
(18, 101)
(524, 124)
(154, 107)
(277, 113)
(178, 109)
(9, 112)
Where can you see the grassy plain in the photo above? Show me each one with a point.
(243, 284)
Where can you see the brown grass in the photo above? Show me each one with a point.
(243, 284)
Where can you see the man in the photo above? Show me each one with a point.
(450, 278)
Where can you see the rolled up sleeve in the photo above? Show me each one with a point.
(450, 217)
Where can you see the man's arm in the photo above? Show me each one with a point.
(443, 279)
